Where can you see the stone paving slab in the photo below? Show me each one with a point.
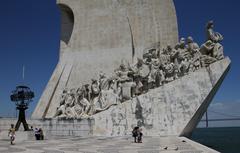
(105, 145)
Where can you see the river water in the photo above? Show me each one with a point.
(225, 140)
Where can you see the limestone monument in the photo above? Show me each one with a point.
(121, 65)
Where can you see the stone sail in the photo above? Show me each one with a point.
(97, 35)
(161, 86)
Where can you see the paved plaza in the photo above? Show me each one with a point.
(104, 145)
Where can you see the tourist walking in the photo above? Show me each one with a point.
(11, 134)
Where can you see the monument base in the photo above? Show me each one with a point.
(51, 127)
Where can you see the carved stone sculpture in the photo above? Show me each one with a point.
(100, 39)
(191, 46)
(61, 110)
(83, 102)
(103, 81)
(193, 49)
(156, 77)
(215, 37)
(212, 49)
(170, 71)
(156, 68)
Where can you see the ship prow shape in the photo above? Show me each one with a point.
(172, 109)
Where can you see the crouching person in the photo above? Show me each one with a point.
(41, 134)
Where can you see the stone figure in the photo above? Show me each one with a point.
(157, 67)
(122, 73)
(61, 110)
(170, 71)
(87, 92)
(112, 85)
(150, 56)
(103, 81)
(154, 54)
(184, 66)
(82, 102)
(63, 96)
(184, 53)
(177, 58)
(156, 77)
(73, 104)
(138, 90)
(147, 58)
(95, 90)
(106, 99)
(78, 110)
(70, 112)
(215, 37)
(191, 46)
(65, 110)
(127, 90)
(124, 82)
(70, 101)
(165, 57)
(174, 56)
(141, 72)
(70, 98)
(212, 49)
(151, 53)
(193, 49)
(196, 60)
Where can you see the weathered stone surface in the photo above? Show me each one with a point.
(96, 36)
(172, 109)
(51, 127)
(99, 36)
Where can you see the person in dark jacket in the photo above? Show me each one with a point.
(135, 133)
(139, 135)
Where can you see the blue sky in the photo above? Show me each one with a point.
(30, 32)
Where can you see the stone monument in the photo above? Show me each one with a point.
(121, 65)
(97, 36)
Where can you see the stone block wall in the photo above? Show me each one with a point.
(51, 127)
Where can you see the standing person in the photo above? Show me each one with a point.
(11, 134)
(41, 134)
(139, 135)
(135, 133)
